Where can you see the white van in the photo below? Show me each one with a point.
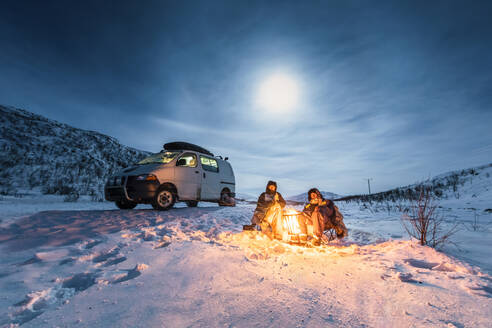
(181, 172)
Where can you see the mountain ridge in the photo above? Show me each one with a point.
(302, 198)
(55, 157)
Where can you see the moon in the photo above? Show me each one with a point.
(278, 93)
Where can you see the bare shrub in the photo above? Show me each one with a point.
(402, 208)
(424, 223)
(475, 224)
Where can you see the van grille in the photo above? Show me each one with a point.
(116, 181)
(115, 192)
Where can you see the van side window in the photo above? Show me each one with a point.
(188, 160)
(209, 164)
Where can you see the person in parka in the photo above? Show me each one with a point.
(268, 212)
(322, 215)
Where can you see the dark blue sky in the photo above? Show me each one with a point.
(395, 91)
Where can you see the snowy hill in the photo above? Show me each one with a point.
(302, 198)
(41, 153)
(246, 197)
(473, 184)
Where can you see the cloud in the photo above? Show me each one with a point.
(387, 91)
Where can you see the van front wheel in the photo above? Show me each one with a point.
(164, 198)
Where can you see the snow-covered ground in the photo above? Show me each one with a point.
(88, 264)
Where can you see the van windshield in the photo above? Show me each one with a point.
(160, 158)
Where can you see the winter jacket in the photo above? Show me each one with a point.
(265, 201)
(328, 215)
(325, 207)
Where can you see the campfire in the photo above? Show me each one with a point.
(292, 232)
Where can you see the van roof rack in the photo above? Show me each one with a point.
(181, 145)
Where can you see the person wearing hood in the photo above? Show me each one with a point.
(268, 210)
(321, 214)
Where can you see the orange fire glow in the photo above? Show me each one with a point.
(290, 221)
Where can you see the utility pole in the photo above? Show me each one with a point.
(369, 184)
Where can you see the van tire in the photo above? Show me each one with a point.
(164, 198)
(125, 204)
(191, 203)
(226, 199)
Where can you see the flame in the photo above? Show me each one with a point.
(290, 221)
(290, 211)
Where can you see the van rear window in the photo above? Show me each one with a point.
(209, 164)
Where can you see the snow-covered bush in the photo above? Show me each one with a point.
(71, 197)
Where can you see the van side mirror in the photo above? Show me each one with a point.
(225, 159)
(181, 162)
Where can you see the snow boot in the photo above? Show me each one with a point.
(315, 241)
(249, 227)
(266, 229)
(341, 230)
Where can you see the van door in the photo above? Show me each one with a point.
(187, 177)
(210, 178)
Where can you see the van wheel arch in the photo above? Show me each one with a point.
(170, 186)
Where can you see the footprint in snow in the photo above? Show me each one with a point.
(107, 255)
(24, 316)
(481, 290)
(34, 304)
(420, 264)
(80, 281)
(115, 261)
(92, 243)
(407, 277)
(130, 274)
(162, 244)
(32, 260)
(69, 260)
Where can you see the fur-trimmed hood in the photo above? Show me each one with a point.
(315, 190)
(270, 183)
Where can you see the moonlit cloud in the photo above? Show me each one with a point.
(387, 91)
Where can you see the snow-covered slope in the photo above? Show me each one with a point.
(194, 267)
(473, 184)
(37, 152)
(302, 198)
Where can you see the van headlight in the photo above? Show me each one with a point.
(146, 177)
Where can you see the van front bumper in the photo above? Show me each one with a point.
(131, 189)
